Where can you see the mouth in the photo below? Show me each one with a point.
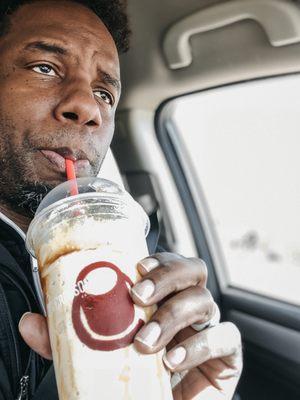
(57, 158)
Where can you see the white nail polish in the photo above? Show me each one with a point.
(148, 264)
(144, 290)
(175, 357)
(149, 334)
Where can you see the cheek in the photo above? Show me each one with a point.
(104, 135)
(108, 124)
(29, 101)
(22, 105)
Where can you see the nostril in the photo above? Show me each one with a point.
(70, 115)
(74, 117)
(91, 123)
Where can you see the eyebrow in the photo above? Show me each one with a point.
(62, 51)
(108, 79)
(48, 47)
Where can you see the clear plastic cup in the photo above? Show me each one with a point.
(87, 247)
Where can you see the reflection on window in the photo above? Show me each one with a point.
(244, 143)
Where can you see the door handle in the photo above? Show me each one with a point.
(279, 18)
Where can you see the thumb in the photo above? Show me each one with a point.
(34, 331)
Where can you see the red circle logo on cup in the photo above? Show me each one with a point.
(104, 321)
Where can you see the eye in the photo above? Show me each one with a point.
(105, 96)
(44, 69)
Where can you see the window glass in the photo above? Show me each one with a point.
(244, 143)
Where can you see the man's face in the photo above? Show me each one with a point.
(59, 88)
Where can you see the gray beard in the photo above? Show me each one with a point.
(17, 190)
(26, 199)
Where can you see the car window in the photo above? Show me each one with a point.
(243, 142)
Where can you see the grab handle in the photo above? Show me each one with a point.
(279, 18)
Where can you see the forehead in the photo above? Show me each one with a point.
(69, 23)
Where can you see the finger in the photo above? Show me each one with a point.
(213, 321)
(221, 341)
(174, 274)
(182, 310)
(34, 331)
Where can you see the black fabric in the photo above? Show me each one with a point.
(18, 308)
(47, 390)
(15, 251)
(5, 388)
(16, 297)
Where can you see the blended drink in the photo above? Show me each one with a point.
(87, 247)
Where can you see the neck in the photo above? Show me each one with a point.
(21, 220)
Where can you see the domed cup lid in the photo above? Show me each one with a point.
(92, 185)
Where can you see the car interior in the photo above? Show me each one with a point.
(208, 122)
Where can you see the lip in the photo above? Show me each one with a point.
(57, 158)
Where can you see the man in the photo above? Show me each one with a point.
(60, 86)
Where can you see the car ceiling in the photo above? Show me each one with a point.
(233, 53)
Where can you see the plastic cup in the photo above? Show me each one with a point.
(87, 247)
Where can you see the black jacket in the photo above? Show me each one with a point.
(23, 373)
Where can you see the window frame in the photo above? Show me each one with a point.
(205, 238)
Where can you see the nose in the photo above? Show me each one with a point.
(79, 107)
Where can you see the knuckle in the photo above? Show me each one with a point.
(205, 304)
(240, 364)
(201, 268)
(158, 255)
(233, 332)
(215, 309)
(170, 310)
(207, 296)
(160, 275)
(203, 345)
(212, 307)
(167, 257)
(237, 371)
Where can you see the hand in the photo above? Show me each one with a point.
(206, 364)
(211, 360)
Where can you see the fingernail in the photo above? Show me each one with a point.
(22, 318)
(149, 334)
(175, 357)
(148, 264)
(143, 290)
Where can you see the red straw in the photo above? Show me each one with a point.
(70, 171)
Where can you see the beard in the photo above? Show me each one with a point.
(26, 197)
(16, 191)
(20, 187)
